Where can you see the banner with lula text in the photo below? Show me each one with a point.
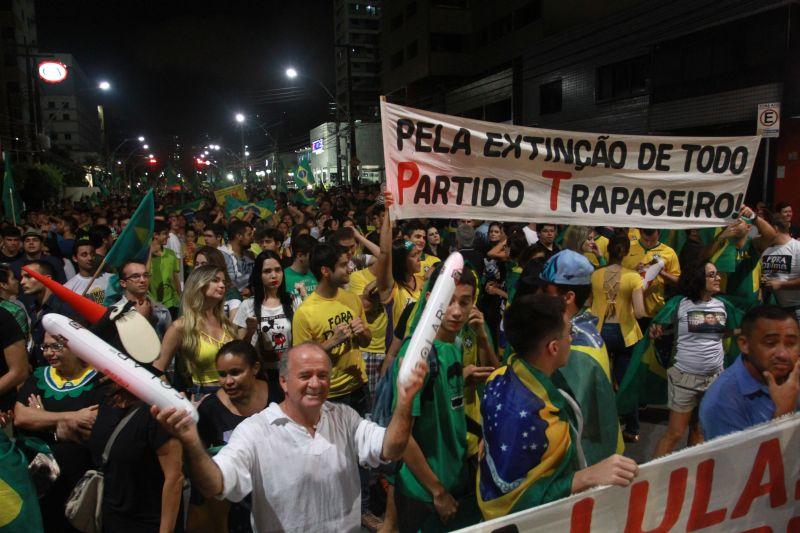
(746, 481)
(441, 166)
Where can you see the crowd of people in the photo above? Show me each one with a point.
(288, 332)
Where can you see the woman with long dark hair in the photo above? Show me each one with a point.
(700, 324)
(435, 244)
(265, 319)
(398, 280)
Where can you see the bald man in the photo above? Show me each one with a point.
(299, 458)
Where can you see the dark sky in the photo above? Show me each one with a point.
(186, 68)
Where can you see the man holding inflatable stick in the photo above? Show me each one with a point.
(299, 458)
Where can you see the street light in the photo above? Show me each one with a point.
(104, 86)
(292, 73)
(146, 146)
(141, 139)
(239, 118)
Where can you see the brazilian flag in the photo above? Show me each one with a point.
(19, 507)
(303, 197)
(103, 189)
(645, 381)
(12, 205)
(190, 207)
(303, 176)
(134, 241)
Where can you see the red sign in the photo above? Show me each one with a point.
(52, 71)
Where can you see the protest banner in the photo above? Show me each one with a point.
(236, 191)
(441, 166)
(746, 481)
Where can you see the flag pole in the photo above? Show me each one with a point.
(13, 211)
(96, 274)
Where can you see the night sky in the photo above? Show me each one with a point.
(185, 68)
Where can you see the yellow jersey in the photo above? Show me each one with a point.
(654, 295)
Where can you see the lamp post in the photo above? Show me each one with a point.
(241, 119)
(292, 73)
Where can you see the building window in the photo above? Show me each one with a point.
(68, 136)
(396, 60)
(550, 97)
(448, 42)
(65, 116)
(530, 12)
(372, 10)
(412, 50)
(51, 105)
(52, 116)
(623, 79)
(396, 22)
(500, 28)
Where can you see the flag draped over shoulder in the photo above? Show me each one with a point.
(645, 381)
(12, 205)
(134, 241)
(529, 457)
(19, 507)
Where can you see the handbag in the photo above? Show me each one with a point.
(84, 507)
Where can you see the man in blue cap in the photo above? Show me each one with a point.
(587, 373)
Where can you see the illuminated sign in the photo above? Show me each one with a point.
(318, 146)
(52, 71)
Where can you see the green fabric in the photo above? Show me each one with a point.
(12, 205)
(293, 278)
(134, 241)
(19, 507)
(19, 315)
(645, 380)
(742, 281)
(440, 426)
(162, 288)
(303, 175)
(303, 197)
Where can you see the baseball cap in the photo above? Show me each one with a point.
(465, 235)
(33, 232)
(568, 268)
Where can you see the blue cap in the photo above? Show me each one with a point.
(568, 268)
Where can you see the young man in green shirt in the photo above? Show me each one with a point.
(300, 282)
(165, 268)
(435, 487)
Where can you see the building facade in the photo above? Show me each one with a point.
(70, 114)
(18, 86)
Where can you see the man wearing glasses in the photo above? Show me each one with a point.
(135, 282)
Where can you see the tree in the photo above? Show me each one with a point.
(38, 183)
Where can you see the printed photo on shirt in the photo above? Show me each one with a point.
(776, 264)
(706, 321)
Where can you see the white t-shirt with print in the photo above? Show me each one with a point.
(274, 325)
(701, 328)
(782, 262)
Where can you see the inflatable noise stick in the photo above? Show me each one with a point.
(422, 339)
(135, 332)
(119, 367)
(85, 307)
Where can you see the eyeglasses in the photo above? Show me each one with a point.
(56, 347)
(137, 276)
(713, 275)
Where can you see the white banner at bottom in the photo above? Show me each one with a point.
(744, 482)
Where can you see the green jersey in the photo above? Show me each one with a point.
(440, 425)
(295, 280)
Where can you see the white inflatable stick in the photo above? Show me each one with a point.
(116, 365)
(422, 340)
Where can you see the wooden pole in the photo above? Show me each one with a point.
(96, 274)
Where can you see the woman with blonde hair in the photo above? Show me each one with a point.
(201, 329)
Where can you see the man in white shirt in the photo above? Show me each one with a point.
(780, 268)
(83, 254)
(175, 243)
(299, 458)
(530, 234)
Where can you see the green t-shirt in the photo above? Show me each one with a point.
(293, 278)
(162, 285)
(742, 284)
(440, 425)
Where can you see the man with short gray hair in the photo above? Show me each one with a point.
(299, 458)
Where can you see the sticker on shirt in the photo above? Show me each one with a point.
(96, 294)
(706, 321)
(772, 265)
(274, 328)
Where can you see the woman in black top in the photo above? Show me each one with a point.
(244, 393)
(143, 476)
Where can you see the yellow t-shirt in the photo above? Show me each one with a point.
(629, 281)
(602, 247)
(359, 280)
(402, 297)
(426, 263)
(654, 295)
(315, 320)
(634, 234)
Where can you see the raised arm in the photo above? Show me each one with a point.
(385, 281)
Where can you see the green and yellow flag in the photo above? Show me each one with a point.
(239, 208)
(12, 205)
(304, 197)
(134, 241)
(19, 507)
(303, 176)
